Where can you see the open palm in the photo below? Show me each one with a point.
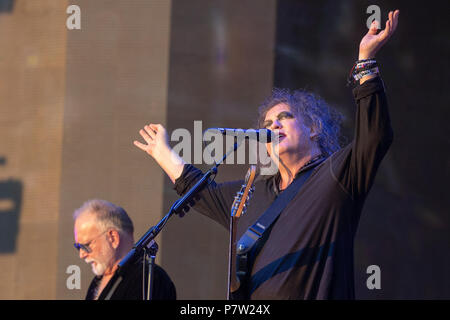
(372, 42)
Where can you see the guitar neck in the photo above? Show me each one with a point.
(233, 280)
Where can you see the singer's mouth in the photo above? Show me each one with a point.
(281, 136)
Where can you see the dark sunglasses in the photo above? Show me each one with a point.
(85, 246)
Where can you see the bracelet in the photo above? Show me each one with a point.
(362, 68)
(365, 65)
(368, 72)
(366, 61)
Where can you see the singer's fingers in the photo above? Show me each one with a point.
(150, 131)
(395, 19)
(391, 22)
(140, 145)
(145, 135)
(387, 30)
(156, 127)
(373, 27)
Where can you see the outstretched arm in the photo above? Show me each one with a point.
(373, 131)
(216, 199)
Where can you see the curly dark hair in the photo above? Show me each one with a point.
(314, 112)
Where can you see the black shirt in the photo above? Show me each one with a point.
(309, 251)
(130, 285)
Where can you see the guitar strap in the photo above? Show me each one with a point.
(258, 232)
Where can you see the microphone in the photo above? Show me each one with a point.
(252, 134)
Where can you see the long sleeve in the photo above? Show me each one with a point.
(355, 168)
(216, 199)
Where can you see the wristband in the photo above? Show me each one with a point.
(368, 72)
(362, 68)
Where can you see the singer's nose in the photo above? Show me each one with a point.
(276, 124)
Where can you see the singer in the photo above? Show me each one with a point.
(316, 198)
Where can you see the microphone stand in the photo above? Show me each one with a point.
(146, 246)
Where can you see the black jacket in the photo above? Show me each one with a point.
(130, 286)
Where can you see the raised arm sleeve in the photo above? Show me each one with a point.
(356, 166)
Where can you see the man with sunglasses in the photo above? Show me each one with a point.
(103, 236)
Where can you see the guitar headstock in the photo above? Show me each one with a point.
(240, 203)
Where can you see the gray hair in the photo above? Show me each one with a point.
(314, 112)
(107, 214)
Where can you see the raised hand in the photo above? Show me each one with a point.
(157, 146)
(372, 42)
(155, 135)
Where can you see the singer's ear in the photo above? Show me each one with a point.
(314, 131)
